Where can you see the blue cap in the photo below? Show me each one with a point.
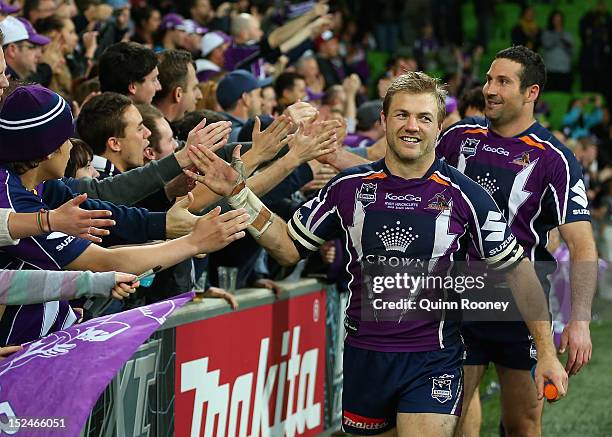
(234, 84)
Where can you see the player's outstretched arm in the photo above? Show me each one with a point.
(266, 145)
(227, 181)
(576, 335)
(532, 303)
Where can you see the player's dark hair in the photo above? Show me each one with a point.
(533, 71)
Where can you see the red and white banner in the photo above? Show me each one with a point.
(257, 372)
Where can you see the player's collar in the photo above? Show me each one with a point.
(434, 166)
(534, 127)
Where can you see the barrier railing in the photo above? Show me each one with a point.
(272, 367)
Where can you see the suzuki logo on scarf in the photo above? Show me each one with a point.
(293, 379)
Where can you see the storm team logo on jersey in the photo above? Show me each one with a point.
(438, 202)
(522, 159)
(441, 389)
(468, 146)
(367, 193)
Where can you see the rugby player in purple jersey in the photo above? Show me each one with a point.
(537, 183)
(402, 377)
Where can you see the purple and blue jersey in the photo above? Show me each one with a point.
(384, 219)
(534, 179)
(46, 252)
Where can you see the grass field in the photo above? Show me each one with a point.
(587, 411)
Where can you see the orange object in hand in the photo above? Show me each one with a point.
(550, 390)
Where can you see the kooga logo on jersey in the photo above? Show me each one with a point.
(498, 150)
(405, 197)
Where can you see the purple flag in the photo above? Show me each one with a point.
(62, 375)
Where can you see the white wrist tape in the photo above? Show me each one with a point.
(260, 216)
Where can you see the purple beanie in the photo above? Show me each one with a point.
(34, 122)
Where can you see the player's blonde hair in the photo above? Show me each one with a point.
(417, 82)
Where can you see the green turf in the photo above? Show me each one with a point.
(587, 411)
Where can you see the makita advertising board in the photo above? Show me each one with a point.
(257, 372)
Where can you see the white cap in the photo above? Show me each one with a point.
(211, 41)
(13, 30)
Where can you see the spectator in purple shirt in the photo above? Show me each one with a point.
(29, 173)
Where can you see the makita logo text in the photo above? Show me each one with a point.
(406, 197)
(358, 422)
(498, 150)
(291, 383)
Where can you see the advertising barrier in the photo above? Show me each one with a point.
(258, 372)
(268, 369)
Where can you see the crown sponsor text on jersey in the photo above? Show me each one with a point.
(394, 261)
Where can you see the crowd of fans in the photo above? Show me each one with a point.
(149, 84)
